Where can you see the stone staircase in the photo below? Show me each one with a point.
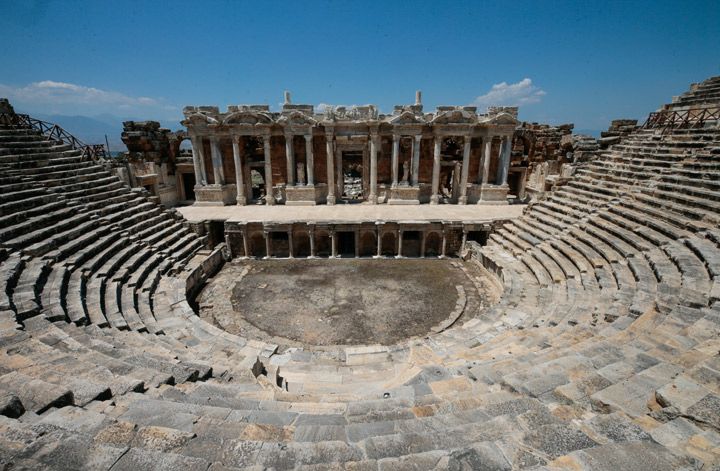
(602, 352)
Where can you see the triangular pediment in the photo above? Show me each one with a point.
(406, 117)
(297, 118)
(503, 118)
(454, 117)
(200, 118)
(247, 117)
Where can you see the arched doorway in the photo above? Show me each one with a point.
(411, 243)
(322, 244)
(257, 245)
(388, 248)
(433, 244)
(301, 244)
(368, 244)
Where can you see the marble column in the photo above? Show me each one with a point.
(487, 141)
(311, 236)
(444, 244)
(399, 244)
(229, 245)
(379, 244)
(395, 158)
(416, 160)
(269, 194)
(373, 168)
(217, 161)
(333, 244)
(198, 161)
(505, 160)
(290, 155)
(246, 245)
(465, 170)
(290, 244)
(435, 198)
(464, 240)
(268, 245)
(422, 245)
(330, 168)
(357, 244)
(309, 160)
(241, 199)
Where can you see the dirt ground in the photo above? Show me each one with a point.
(333, 302)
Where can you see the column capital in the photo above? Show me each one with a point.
(418, 137)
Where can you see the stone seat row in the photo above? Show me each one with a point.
(600, 325)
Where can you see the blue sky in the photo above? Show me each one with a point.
(578, 62)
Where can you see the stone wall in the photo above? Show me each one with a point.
(151, 159)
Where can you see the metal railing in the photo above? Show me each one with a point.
(56, 133)
(675, 119)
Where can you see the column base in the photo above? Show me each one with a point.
(330, 200)
(215, 195)
(241, 200)
(435, 199)
(462, 200)
(404, 194)
(372, 199)
(493, 194)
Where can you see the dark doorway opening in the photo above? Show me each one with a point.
(478, 236)
(411, 244)
(188, 180)
(346, 244)
(368, 244)
(433, 244)
(301, 244)
(216, 232)
(279, 245)
(388, 244)
(322, 244)
(257, 245)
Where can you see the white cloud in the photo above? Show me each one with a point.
(49, 96)
(514, 94)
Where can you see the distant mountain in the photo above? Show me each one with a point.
(93, 129)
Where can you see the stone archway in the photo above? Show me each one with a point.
(322, 244)
(433, 244)
(257, 245)
(301, 244)
(368, 244)
(388, 244)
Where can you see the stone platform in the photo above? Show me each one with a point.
(353, 213)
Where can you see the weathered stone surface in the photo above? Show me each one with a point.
(641, 456)
(558, 440)
(137, 458)
(596, 347)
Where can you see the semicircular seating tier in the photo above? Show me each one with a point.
(602, 353)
